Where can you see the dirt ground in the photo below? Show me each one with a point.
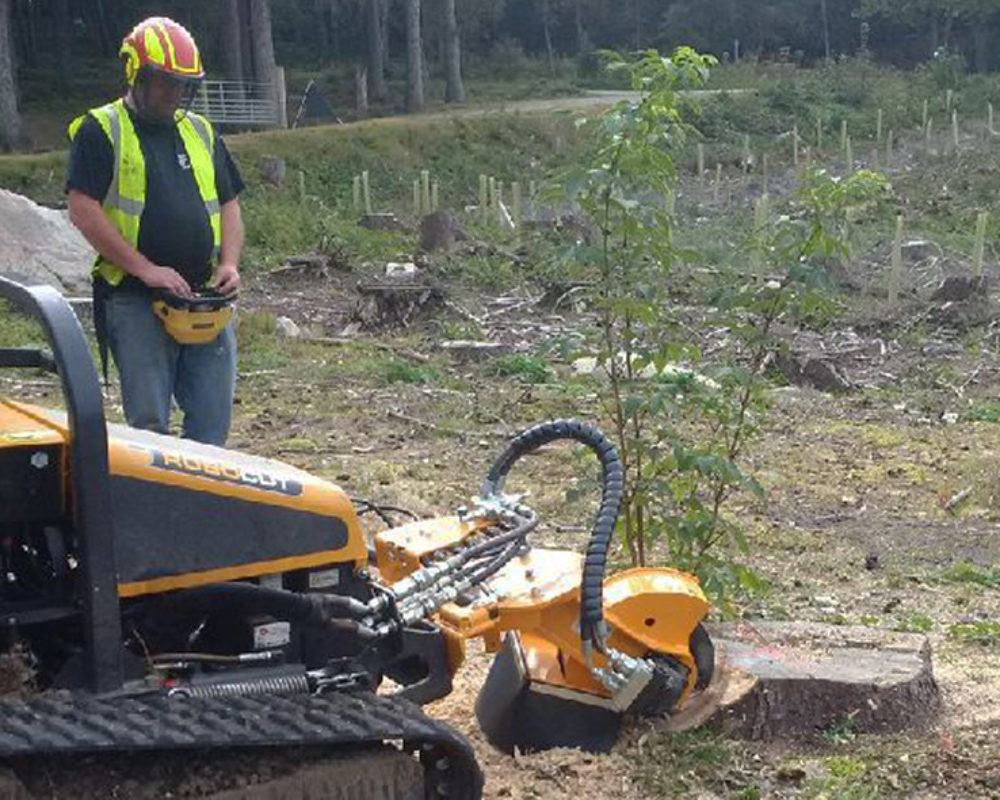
(875, 497)
(881, 510)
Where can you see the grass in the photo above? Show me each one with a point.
(524, 368)
(967, 573)
(984, 632)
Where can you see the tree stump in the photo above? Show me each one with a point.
(795, 679)
(440, 231)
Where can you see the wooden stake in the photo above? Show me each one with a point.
(416, 198)
(759, 223)
(435, 196)
(499, 202)
(924, 118)
(843, 134)
(795, 146)
(948, 95)
(849, 155)
(515, 190)
(367, 192)
(928, 134)
(896, 270)
(819, 133)
(747, 155)
(483, 198)
(425, 191)
(888, 150)
(878, 128)
(718, 184)
(302, 187)
(492, 204)
(954, 128)
(980, 248)
(356, 194)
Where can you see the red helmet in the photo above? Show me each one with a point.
(161, 44)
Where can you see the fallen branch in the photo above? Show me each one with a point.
(956, 500)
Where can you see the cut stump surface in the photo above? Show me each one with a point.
(788, 679)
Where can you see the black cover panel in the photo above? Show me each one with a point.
(168, 530)
(30, 484)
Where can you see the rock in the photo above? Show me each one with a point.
(920, 250)
(806, 370)
(798, 679)
(439, 231)
(271, 170)
(466, 350)
(959, 287)
(401, 268)
(286, 327)
(39, 245)
(384, 222)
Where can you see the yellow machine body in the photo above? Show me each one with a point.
(188, 514)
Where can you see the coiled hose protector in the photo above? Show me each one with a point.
(613, 485)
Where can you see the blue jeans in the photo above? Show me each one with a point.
(154, 368)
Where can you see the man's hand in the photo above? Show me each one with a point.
(165, 278)
(227, 279)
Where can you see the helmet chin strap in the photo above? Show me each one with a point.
(137, 101)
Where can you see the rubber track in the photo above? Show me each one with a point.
(67, 723)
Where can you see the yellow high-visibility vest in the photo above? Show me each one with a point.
(126, 195)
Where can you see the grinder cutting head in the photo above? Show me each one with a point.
(194, 320)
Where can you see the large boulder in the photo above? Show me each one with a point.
(40, 245)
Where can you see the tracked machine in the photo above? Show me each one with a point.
(169, 595)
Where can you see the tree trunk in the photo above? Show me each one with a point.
(63, 40)
(383, 26)
(261, 41)
(246, 40)
(10, 120)
(376, 58)
(546, 31)
(949, 23)
(414, 58)
(981, 31)
(826, 28)
(23, 16)
(232, 41)
(582, 45)
(97, 19)
(454, 91)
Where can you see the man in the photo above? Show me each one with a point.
(155, 192)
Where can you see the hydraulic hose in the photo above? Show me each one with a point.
(248, 598)
(612, 489)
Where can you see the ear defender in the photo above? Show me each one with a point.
(130, 59)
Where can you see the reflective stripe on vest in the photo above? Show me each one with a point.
(126, 196)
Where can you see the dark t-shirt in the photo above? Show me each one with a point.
(175, 230)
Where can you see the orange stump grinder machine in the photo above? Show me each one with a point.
(169, 594)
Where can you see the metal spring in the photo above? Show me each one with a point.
(283, 684)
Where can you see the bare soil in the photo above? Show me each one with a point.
(861, 524)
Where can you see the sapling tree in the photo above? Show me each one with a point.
(682, 424)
